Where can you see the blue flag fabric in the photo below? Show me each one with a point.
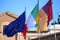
(15, 26)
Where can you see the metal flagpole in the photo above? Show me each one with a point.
(38, 25)
(19, 34)
(16, 37)
(38, 32)
(25, 13)
(54, 31)
(54, 28)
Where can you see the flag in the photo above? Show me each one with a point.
(15, 26)
(48, 10)
(42, 20)
(31, 21)
(24, 32)
(44, 16)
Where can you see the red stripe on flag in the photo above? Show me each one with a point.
(25, 31)
(48, 9)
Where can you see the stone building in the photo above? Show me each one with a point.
(5, 19)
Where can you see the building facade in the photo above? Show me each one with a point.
(5, 19)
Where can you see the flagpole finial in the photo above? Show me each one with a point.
(25, 13)
(25, 8)
(38, 0)
(38, 4)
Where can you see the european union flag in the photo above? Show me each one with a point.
(15, 26)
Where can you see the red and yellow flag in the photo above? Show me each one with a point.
(44, 16)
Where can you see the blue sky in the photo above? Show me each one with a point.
(18, 6)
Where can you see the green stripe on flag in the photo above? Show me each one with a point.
(35, 11)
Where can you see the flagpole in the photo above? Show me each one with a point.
(16, 37)
(16, 33)
(54, 31)
(38, 32)
(25, 21)
(54, 28)
(38, 25)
